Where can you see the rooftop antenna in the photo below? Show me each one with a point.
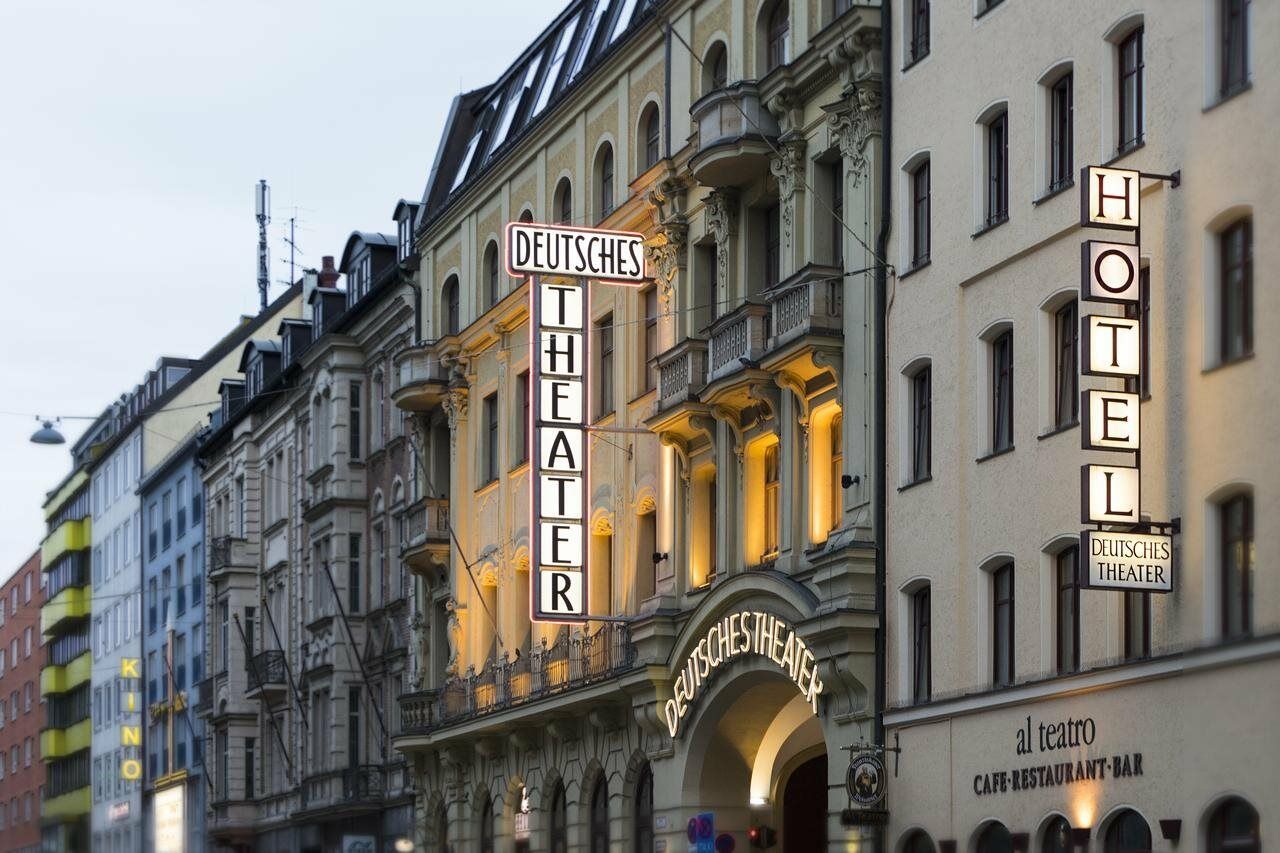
(262, 198)
(290, 241)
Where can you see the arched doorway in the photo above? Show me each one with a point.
(804, 807)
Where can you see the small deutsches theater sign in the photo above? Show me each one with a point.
(560, 262)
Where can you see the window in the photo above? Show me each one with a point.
(649, 310)
(604, 345)
(564, 202)
(26, 641)
(197, 579)
(642, 831)
(1130, 100)
(772, 246)
(1137, 625)
(559, 821)
(181, 578)
(250, 748)
(922, 424)
(921, 229)
(837, 212)
(486, 827)
(491, 279)
(1235, 291)
(1234, 826)
(490, 472)
(26, 587)
(1068, 609)
(772, 495)
(377, 408)
(997, 209)
(1002, 626)
(715, 68)
(354, 392)
(1057, 837)
(779, 24)
(1127, 833)
(652, 147)
(1141, 384)
(353, 726)
(919, 24)
(604, 181)
(921, 657)
(995, 839)
(449, 299)
(224, 636)
(836, 439)
(1066, 378)
(1002, 392)
(526, 416)
(153, 597)
(600, 817)
(1234, 66)
(1061, 150)
(1236, 559)
(353, 572)
(220, 747)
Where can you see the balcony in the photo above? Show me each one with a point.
(682, 373)
(204, 697)
(351, 788)
(426, 546)
(806, 323)
(71, 535)
(571, 663)
(229, 554)
(59, 743)
(268, 675)
(60, 679)
(68, 806)
(421, 381)
(72, 603)
(735, 136)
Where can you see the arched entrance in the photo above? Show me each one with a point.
(804, 807)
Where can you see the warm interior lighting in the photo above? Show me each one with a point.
(1084, 808)
(759, 802)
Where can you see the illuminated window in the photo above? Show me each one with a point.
(1127, 833)
(1130, 92)
(1235, 291)
(1068, 623)
(1002, 626)
(1234, 826)
(1236, 559)
(1066, 379)
(837, 470)
(772, 496)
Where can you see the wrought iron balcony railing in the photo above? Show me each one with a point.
(267, 670)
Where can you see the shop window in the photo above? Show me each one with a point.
(1234, 826)
(995, 838)
(1127, 833)
(600, 817)
(642, 831)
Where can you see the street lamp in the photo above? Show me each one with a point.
(47, 434)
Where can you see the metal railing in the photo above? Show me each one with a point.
(204, 696)
(267, 667)
(571, 662)
(365, 783)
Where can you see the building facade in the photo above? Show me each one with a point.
(172, 627)
(731, 447)
(309, 495)
(1033, 714)
(22, 713)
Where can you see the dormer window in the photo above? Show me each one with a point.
(404, 238)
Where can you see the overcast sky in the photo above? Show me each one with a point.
(131, 135)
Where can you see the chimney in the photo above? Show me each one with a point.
(328, 273)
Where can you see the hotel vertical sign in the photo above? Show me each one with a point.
(1110, 420)
(560, 261)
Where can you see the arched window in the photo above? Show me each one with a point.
(600, 817)
(526, 215)
(559, 821)
(995, 839)
(1128, 833)
(715, 68)
(1234, 827)
(486, 827)
(642, 831)
(604, 181)
(491, 279)
(1057, 836)
(651, 143)
(776, 36)
(837, 470)
(449, 302)
(918, 842)
(563, 202)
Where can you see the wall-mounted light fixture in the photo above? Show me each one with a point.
(659, 556)
(848, 480)
(1171, 829)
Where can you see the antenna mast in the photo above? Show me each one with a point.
(263, 209)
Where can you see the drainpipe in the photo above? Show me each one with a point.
(881, 302)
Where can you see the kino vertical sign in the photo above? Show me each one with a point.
(560, 262)
(1110, 420)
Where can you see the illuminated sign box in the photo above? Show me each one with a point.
(1110, 346)
(534, 249)
(1126, 561)
(169, 824)
(1109, 272)
(1110, 494)
(1110, 198)
(1110, 420)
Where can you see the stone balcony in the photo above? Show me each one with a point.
(426, 544)
(268, 676)
(735, 136)
(682, 373)
(230, 554)
(420, 379)
(806, 325)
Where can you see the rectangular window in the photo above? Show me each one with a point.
(250, 750)
(526, 416)
(153, 598)
(180, 501)
(1061, 145)
(1068, 611)
(1235, 291)
(180, 662)
(1141, 384)
(1002, 626)
(1237, 560)
(1137, 625)
(166, 584)
(181, 590)
(250, 632)
(1234, 24)
(1002, 392)
(772, 246)
(353, 726)
(604, 346)
(837, 470)
(1130, 100)
(353, 572)
(921, 660)
(1066, 376)
(220, 746)
(837, 213)
(921, 424)
(919, 29)
(649, 309)
(997, 209)
(153, 530)
(920, 224)
(772, 496)
(490, 438)
(166, 514)
(224, 636)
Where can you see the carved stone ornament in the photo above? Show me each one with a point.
(722, 219)
(455, 406)
(788, 169)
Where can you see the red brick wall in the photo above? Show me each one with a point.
(18, 832)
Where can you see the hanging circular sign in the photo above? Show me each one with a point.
(865, 779)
